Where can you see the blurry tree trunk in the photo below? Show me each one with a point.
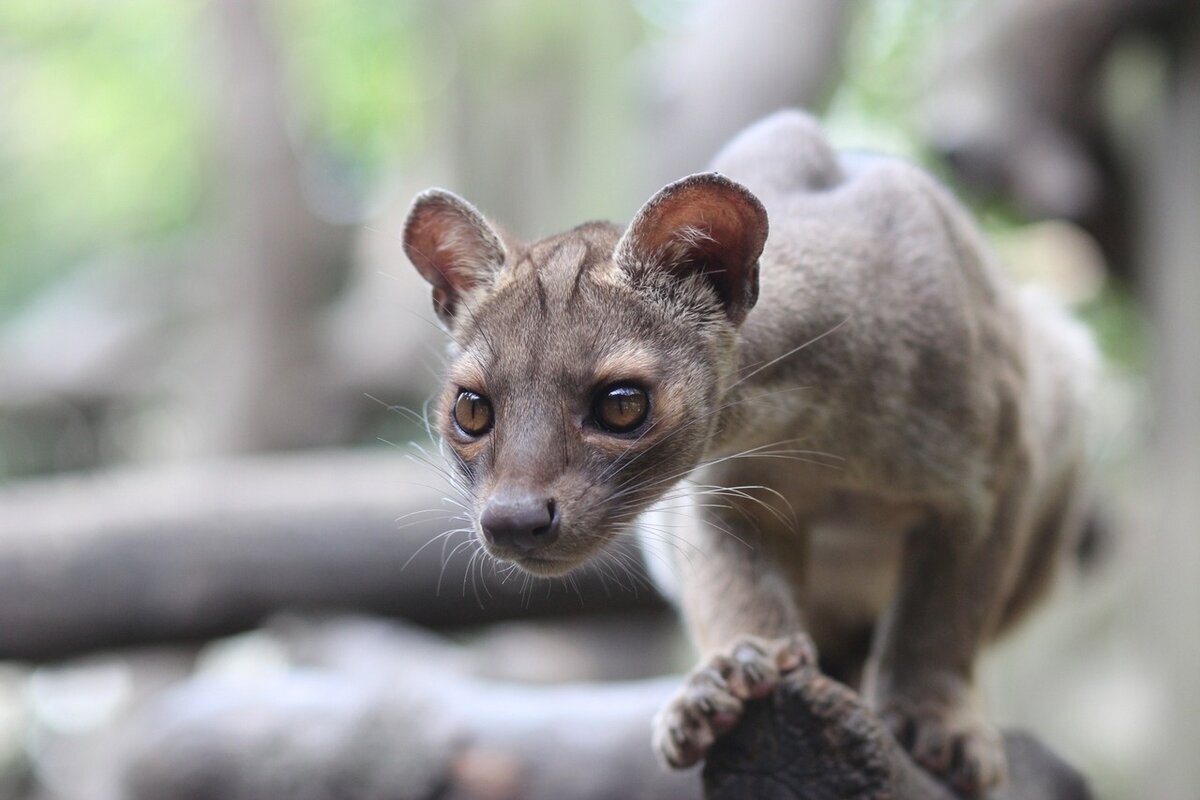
(561, 134)
(539, 118)
(1016, 107)
(212, 548)
(1170, 229)
(538, 126)
(273, 263)
(730, 63)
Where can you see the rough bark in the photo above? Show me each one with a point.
(814, 739)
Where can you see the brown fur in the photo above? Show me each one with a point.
(885, 437)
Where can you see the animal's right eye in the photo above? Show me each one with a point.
(472, 413)
(621, 408)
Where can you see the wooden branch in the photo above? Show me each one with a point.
(815, 739)
(206, 549)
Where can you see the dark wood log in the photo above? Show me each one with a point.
(815, 739)
(206, 549)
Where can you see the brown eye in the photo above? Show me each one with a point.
(621, 408)
(472, 413)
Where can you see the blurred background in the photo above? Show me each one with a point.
(214, 357)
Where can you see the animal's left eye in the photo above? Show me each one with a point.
(621, 408)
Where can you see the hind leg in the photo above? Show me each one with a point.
(921, 679)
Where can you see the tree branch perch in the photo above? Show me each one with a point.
(814, 739)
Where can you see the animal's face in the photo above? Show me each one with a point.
(587, 369)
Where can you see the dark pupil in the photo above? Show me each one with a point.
(623, 409)
(473, 413)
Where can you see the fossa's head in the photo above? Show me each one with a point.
(587, 368)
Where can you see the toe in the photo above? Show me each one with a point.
(978, 764)
(711, 701)
(795, 651)
(707, 697)
(681, 739)
(703, 710)
(753, 674)
(932, 747)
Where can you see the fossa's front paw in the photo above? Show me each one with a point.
(944, 731)
(711, 701)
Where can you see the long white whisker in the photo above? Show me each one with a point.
(788, 354)
(446, 562)
(431, 541)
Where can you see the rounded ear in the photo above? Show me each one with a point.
(452, 246)
(703, 225)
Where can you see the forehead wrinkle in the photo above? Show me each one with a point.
(561, 267)
(518, 324)
(601, 331)
(521, 266)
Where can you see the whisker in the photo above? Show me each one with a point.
(398, 409)
(427, 521)
(788, 354)
(431, 541)
(761, 451)
(732, 402)
(445, 561)
(618, 464)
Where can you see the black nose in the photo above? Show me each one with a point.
(523, 522)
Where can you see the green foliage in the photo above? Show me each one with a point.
(359, 75)
(877, 103)
(104, 133)
(99, 136)
(1120, 330)
(105, 123)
